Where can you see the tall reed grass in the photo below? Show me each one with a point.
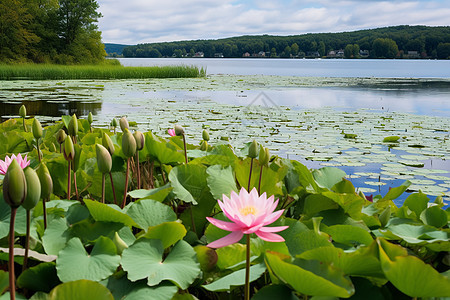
(106, 71)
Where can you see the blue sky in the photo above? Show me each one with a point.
(146, 21)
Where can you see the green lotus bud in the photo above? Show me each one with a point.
(76, 158)
(61, 136)
(104, 160)
(124, 124)
(73, 126)
(114, 122)
(439, 201)
(205, 135)
(204, 146)
(14, 185)
(45, 180)
(69, 150)
(107, 143)
(128, 144)
(267, 155)
(120, 244)
(253, 149)
(36, 129)
(23, 111)
(90, 118)
(207, 257)
(140, 140)
(262, 156)
(179, 130)
(33, 188)
(385, 216)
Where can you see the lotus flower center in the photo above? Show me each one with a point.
(248, 210)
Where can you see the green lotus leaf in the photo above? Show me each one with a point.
(42, 277)
(221, 181)
(89, 230)
(275, 291)
(168, 233)
(14, 142)
(77, 213)
(310, 277)
(74, 263)
(144, 259)
(4, 281)
(158, 194)
(434, 216)
(411, 275)
(327, 177)
(164, 152)
(417, 202)
(315, 203)
(235, 279)
(108, 213)
(80, 289)
(6, 296)
(147, 213)
(349, 235)
(395, 192)
(391, 139)
(230, 255)
(162, 291)
(56, 236)
(299, 175)
(418, 234)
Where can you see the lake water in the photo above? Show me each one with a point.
(304, 106)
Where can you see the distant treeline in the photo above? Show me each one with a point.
(388, 42)
(50, 31)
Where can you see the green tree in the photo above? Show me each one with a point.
(294, 49)
(384, 48)
(321, 49)
(273, 52)
(443, 50)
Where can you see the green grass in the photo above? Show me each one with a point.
(104, 71)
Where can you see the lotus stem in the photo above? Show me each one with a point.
(38, 151)
(69, 181)
(163, 175)
(75, 185)
(112, 187)
(27, 241)
(45, 213)
(192, 218)
(260, 176)
(185, 150)
(24, 126)
(152, 166)
(138, 170)
(250, 175)
(103, 188)
(60, 148)
(247, 270)
(12, 277)
(126, 184)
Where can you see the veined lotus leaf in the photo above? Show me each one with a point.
(56, 236)
(349, 235)
(434, 216)
(74, 263)
(147, 213)
(164, 152)
(144, 259)
(310, 277)
(395, 192)
(327, 177)
(235, 279)
(42, 277)
(108, 213)
(4, 281)
(168, 233)
(411, 275)
(299, 175)
(80, 289)
(275, 291)
(221, 181)
(416, 202)
(158, 194)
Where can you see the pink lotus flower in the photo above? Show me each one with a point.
(23, 162)
(171, 132)
(249, 213)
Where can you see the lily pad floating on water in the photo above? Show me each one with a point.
(412, 163)
(391, 139)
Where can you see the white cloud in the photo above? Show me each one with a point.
(142, 21)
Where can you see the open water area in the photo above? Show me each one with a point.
(320, 112)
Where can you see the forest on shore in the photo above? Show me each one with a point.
(50, 31)
(388, 42)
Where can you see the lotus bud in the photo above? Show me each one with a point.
(124, 124)
(262, 156)
(14, 185)
(107, 143)
(204, 146)
(76, 158)
(120, 244)
(61, 136)
(73, 126)
(439, 200)
(37, 129)
(45, 180)
(114, 123)
(179, 130)
(267, 155)
(205, 135)
(253, 149)
(69, 150)
(207, 257)
(140, 140)
(90, 118)
(23, 111)
(33, 188)
(128, 144)
(104, 161)
(52, 148)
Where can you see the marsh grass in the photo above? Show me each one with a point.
(104, 71)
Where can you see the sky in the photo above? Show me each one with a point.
(146, 21)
